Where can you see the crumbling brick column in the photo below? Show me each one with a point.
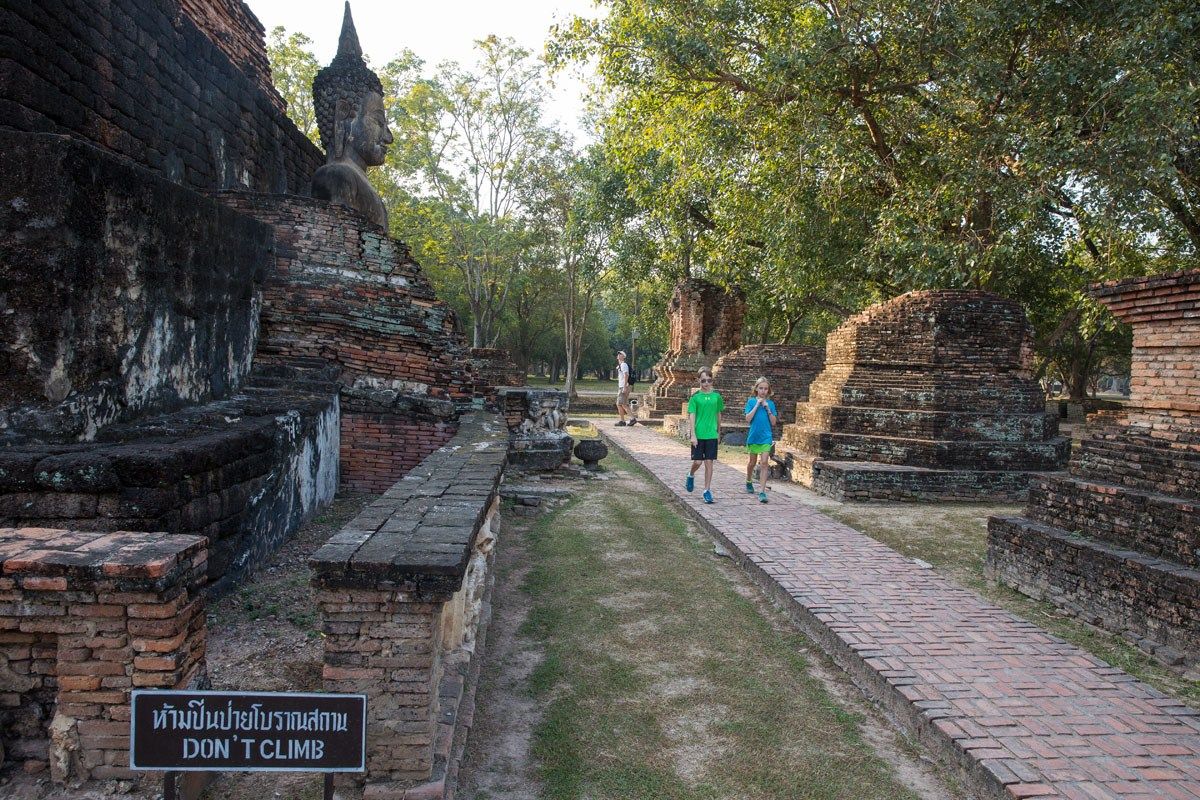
(706, 322)
(399, 589)
(84, 619)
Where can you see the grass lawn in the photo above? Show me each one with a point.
(953, 538)
(662, 678)
(586, 385)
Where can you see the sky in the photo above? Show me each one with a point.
(435, 31)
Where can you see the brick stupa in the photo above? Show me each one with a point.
(706, 322)
(1117, 541)
(929, 395)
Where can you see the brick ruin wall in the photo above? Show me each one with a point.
(233, 28)
(344, 292)
(86, 617)
(789, 368)
(495, 368)
(1117, 540)
(705, 323)
(929, 381)
(122, 293)
(153, 81)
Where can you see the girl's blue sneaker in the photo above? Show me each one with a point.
(762, 497)
(690, 483)
(749, 487)
(707, 496)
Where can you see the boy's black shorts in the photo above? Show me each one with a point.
(704, 450)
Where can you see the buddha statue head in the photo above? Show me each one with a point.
(350, 117)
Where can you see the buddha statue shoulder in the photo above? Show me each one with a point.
(350, 117)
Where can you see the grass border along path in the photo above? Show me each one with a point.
(663, 681)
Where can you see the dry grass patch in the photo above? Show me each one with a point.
(661, 680)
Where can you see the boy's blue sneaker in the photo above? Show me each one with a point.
(707, 496)
(690, 483)
(762, 497)
(749, 487)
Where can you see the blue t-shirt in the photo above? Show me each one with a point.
(760, 423)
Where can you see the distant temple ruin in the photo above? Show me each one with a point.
(706, 322)
(1117, 541)
(929, 395)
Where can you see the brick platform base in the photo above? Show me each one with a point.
(85, 618)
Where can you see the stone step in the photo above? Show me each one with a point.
(1154, 601)
(1037, 456)
(1149, 522)
(868, 480)
(1140, 462)
(928, 424)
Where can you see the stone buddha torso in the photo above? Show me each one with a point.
(361, 139)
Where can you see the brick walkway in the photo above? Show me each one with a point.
(1016, 711)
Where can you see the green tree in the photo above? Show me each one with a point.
(466, 143)
(829, 154)
(293, 67)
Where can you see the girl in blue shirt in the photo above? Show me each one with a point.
(760, 413)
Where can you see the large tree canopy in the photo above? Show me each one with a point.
(829, 153)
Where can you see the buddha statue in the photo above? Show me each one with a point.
(350, 117)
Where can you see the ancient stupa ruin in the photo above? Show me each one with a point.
(1117, 541)
(929, 395)
(706, 322)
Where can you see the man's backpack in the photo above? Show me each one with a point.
(632, 379)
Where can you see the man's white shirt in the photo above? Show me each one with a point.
(622, 375)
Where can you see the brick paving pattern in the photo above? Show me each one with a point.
(1019, 712)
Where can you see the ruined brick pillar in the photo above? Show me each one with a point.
(1117, 541)
(706, 322)
(84, 619)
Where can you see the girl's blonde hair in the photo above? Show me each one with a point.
(761, 379)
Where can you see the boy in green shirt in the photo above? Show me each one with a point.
(704, 415)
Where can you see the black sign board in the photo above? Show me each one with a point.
(248, 731)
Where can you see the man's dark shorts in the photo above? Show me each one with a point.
(704, 450)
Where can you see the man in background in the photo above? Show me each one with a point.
(623, 392)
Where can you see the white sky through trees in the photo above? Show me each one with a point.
(436, 31)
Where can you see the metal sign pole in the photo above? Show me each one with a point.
(328, 786)
(169, 783)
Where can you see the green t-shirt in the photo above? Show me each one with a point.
(707, 408)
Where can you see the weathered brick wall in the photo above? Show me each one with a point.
(1118, 540)
(84, 619)
(242, 472)
(929, 381)
(1166, 338)
(233, 28)
(342, 290)
(495, 368)
(140, 78)
(706, 322)
(120, 293)
(790, 369)
(400, 589)
(345, 293)
(380, 449)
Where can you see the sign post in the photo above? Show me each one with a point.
(247, 732)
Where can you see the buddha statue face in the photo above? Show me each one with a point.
(362, 134)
